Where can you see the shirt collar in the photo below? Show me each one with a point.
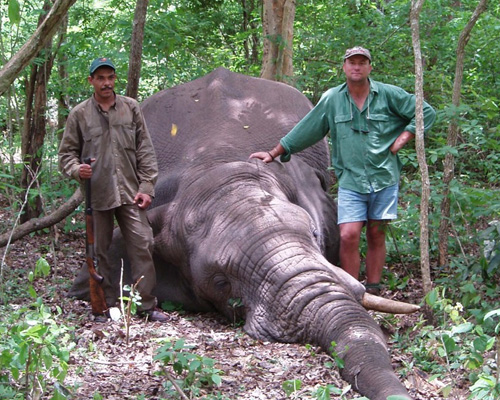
(374, 87)
(96, 104)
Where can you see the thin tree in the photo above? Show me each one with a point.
(134, 65)
(250, 44)
(35, 122)
(453, 133)
(62, 99)
(416, 7)
(45, 31)
(277, 22)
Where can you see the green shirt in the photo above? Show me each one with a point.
(360, 139)
(125, 161)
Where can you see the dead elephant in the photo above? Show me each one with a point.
(228, 228)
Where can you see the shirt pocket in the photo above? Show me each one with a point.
(92, 140)
(378, 122)
(342, 120)
(127, 136)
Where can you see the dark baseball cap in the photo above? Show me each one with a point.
(357, 51)
(101, 62)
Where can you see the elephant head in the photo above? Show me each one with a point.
(253, 240)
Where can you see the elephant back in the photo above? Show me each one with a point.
(224, 117)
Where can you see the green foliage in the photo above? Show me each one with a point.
(291, 386)
(184, 40)
(235, 305)
(336, 356)
(456, 340)
(34, 347)
(14, 12)
(129, 304)
(34, 352)
(193, 371)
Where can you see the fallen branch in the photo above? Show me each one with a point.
(36, 224)
(174, 383)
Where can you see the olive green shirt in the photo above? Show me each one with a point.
(125, 162)
(360, 139)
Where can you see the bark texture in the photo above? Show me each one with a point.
(36, 224)
(277, 20)
(31, 48)
(35, 123)
(134, 65)
(416, 7)
(453, 133)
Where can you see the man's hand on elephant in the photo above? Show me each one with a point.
(263, 155)
(142, 200)
(268, 156)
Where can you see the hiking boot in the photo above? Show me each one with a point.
(373, 288)
(154, 315)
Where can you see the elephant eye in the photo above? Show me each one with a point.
(221, 283)
(318, 238)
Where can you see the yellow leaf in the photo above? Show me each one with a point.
(173, 132)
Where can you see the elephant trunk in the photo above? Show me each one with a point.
(359, 342)
(330, 315)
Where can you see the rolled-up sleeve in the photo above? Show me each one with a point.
(311, 129)
(70, 148)
(147, 167)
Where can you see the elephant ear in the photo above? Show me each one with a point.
(313, 197)
(166, 189)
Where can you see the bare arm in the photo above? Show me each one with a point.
(401, 141)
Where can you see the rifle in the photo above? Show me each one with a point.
(97, 298)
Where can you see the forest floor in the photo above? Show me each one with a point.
(104, 366)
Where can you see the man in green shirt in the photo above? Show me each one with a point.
(111, 131)
(368, 123)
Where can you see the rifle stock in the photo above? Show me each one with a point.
(97, 298)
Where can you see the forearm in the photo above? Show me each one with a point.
(277, 151)
(401, 141)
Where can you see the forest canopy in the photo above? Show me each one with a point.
(184, 40)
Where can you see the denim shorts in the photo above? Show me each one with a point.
(356, 207)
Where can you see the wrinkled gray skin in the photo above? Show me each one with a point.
(227, 227)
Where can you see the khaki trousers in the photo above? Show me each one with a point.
(138, 236)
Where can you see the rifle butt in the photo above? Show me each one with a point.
(97, 299)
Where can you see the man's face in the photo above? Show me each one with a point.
(357, 68)
(103, 82)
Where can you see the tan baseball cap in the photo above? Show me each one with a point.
(357, 51)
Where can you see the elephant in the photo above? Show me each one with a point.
(252, 240)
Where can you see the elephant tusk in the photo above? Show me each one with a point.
(376, 303)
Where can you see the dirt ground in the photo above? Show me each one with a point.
(103, 363)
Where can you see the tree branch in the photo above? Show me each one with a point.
(31, 48)
(35, 224)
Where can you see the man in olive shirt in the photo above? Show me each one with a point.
(368, 122)
(111, 131)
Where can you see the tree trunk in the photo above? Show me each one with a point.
(250, 45)
(34, 129)
(134, 65)
(32, 47)
(416, 7)
(63, 100)
(453, 132)
(277, 20)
